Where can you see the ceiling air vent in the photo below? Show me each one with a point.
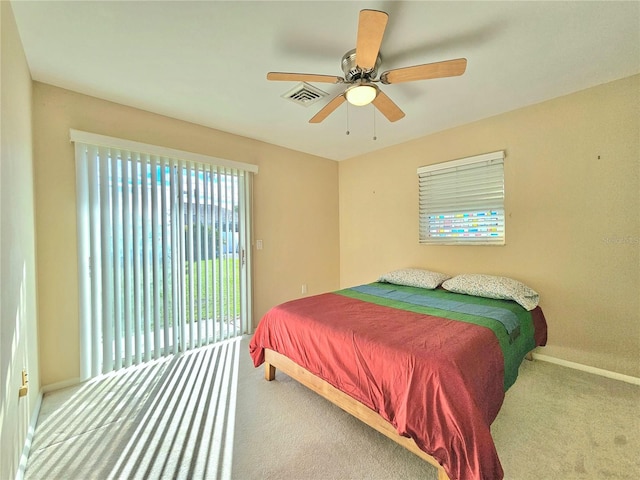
(305, 94)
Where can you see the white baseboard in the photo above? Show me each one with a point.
(29, 440)
(587, 368)
(60, 385)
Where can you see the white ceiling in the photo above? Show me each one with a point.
(206, 61)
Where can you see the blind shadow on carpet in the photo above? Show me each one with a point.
(208, 414)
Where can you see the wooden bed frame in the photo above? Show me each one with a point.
(275, 360)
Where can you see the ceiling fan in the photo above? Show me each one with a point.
(360, 67)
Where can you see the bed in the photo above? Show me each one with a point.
(428, 367)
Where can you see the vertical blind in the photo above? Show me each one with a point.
(462, 201)
(163, 249)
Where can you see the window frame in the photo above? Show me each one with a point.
(448, 218)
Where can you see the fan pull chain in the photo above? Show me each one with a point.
(347, 118)
(375, 137)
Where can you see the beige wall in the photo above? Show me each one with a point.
(572, 201)
(295, 209)
(18, 323)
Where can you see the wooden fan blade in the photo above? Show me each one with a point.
(386, 106)
(328, 109)
(449, 68)
(371, 25)
(303, 77)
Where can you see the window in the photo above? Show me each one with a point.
(163, 241)
(462, 201)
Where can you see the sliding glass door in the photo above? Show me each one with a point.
(163, 255)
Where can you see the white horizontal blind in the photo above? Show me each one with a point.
(163, 258)
(462, 201)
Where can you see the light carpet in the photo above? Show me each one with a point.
(208, 414)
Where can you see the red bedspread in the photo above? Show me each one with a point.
(438, 381)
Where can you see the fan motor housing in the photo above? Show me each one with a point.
(353, 73)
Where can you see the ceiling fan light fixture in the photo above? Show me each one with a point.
(361, 94)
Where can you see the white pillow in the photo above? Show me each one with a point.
(415, 277)
(491, 286)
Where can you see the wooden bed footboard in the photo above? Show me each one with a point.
(275, 360)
